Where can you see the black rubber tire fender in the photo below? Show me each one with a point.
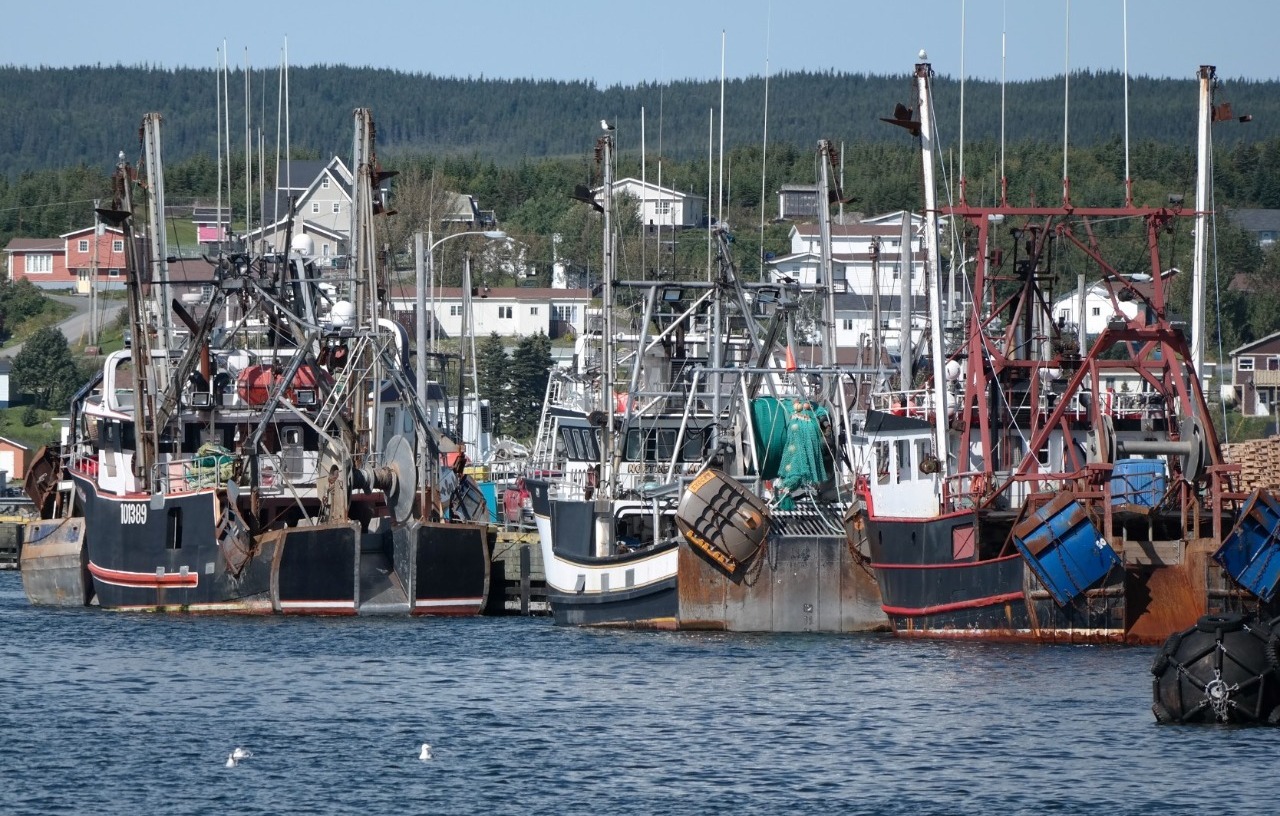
(1224, 622)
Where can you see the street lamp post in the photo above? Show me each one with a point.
(424, 269)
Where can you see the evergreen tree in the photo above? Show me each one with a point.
(493, 371)
(46, 370)
(530, 367)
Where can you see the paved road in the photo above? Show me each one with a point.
(75, 327)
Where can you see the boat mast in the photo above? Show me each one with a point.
(605, 152)
(158, 273)
(365, 275)
(906, 354)
(1207, 76)
(924, 72)
(824, 245)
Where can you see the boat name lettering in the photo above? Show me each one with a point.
(133, 514)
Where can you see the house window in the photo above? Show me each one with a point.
(324, 250)
(1064, 315)
(113, 273)
(1273, 364)
(206, 293)
(315, 206)
(533, 310)
(39, 264)
(1244, 364)
(662, 207)
(337, 206)
(324, 183)
(455, 310)
(568, 314)
(82, 245)
(117, 245)
(1096, 311)
(506, 312)
(848, 324)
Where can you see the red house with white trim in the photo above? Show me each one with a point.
(43, 261)
(87, 253)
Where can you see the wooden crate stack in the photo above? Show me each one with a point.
(1259, 461)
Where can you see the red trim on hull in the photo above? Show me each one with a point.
(145, 580)
(976, 603)
(954, 565)
(1063, 636)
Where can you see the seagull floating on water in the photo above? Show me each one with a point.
(424, 753)
(233, 758)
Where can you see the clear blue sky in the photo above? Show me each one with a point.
(613, 42)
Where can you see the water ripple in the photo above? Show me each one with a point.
(126, 714)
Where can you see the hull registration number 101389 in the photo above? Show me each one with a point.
(133, 514)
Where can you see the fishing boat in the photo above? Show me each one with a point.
(693, 470)
(1018, 496)
(264, 452)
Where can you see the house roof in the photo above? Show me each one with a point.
(1255, 220)
(16, 444)
(1247, 346)
(539, 293)
(889, 304)
(649, 185)
(310, 227)
(862, 229)
(36, 245)
(86, 230)
(843, 257)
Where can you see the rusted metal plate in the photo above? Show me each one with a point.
(795, 584)
(54, 563)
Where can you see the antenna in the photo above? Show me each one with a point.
(962, 78)
(764, 149)
(1004, 181)
(217, 138)
(720, 202)
(1066, 106)
(644, 192)
(248, 146)
(1128, 179)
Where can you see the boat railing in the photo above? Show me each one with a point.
(915, 403)
(194, 473)
(966, 491)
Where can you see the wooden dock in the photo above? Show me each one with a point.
(518, 585)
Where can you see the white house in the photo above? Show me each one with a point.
(661, 206)
(510, 311)
(854, 253)
(322, 192)
(1099, 307)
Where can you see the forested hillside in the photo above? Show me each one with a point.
(58, 117)
(521, 146)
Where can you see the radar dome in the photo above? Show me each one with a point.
(304, 245)
(343, 314)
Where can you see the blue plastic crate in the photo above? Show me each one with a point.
(1064, 549)
(1251, 553)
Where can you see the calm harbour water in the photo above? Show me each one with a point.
(135, 714)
